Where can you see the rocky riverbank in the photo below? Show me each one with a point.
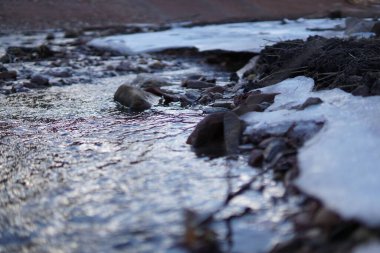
(102, 112)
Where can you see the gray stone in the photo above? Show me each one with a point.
(133, 97)
(39, 80)
(149, 80)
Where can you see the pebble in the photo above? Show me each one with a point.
(8, 75)
(256, 158)
(39, 80)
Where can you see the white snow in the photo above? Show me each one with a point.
(372, 247)
(252, 36)
(341, 164)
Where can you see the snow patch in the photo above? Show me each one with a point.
(373, 247)
(340, 164)
(252, 36)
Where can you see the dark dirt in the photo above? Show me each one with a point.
(350, 64)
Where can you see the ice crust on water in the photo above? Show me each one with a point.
(340, 165)
(252, 36)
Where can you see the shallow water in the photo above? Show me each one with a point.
(81, 175)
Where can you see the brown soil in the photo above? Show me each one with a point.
(38, 14)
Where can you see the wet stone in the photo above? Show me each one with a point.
(14, 54)
(232, 131)
(193, 95)
(255, 102)
(256, 158)
(168, 98)
(326, 218)
(195, 84)
(309, 102)
(149, 80)
(65, 73)
(8, 75)
(208, 135)
(39, 80)
(216, 89)
(376, 29)
(132, 97)
(303, 131)
(223, 103)
(274, 150)
(375, 89)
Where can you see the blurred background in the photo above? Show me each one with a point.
(41, 14)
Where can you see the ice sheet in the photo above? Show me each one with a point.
(341, 164)
(252, 36)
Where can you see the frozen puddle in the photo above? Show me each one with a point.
(251, 36)
(340, 165)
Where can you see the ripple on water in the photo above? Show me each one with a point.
(79, 175)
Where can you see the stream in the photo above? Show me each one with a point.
(79, 173)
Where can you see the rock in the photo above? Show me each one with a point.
(149, 80)
(19, 88)
(8, 75)
(223, 103)
(208, 130)
(234, 77)
(65, 73)
(125, 66)
(258, 136)
(134, 98)
(208, 136)
(361, 90)
(210, 110)
(50, 36)
(205, 99)
(375, 89)
(309, 102)
(199, 235)
(260, 98)
(193, 95)
(207, 79)
(168, 98)
(275, 150)
(185, 101)
(2, 68)
(216, 89)
(326, 218)
(72, 33)
(39, 80)
(256, 102)
(232, 131)
(14, 54)
(376, 29)
(256, 158)
(358, 25)
(193, 77)
(157, 65)
(195, 84)
(217, 134)
(303, 131)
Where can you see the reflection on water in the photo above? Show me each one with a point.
(79, 175)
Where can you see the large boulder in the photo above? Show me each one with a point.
(134, 98)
